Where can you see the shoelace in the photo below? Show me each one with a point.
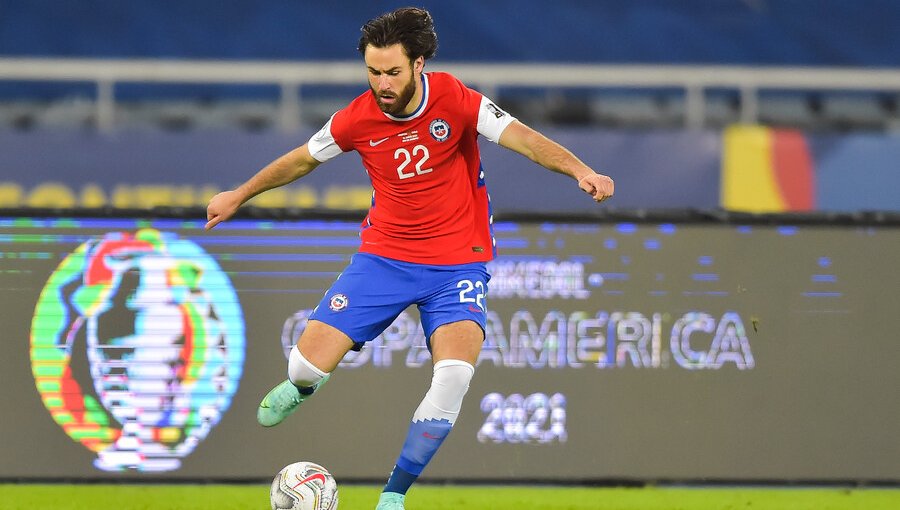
(293, 401)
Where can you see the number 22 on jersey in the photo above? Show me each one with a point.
(419, 153)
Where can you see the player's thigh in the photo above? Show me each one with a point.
(323, 345)
(454, 312)
(460, 340)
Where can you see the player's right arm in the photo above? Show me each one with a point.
(284, 170)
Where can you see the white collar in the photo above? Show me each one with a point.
(422, 104)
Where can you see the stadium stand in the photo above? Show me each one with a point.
(692, 34)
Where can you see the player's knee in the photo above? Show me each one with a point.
(301, 372)
(450, 383)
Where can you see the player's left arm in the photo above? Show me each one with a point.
(551, 155)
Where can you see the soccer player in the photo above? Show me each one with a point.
(427, 235)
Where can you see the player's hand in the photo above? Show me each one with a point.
(221, 207)
(598, 186)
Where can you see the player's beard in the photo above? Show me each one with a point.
(402, 100)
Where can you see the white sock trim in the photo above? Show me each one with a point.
(449, 385)
(453, 362)
(301, 372)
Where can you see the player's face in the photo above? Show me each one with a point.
(393, 79)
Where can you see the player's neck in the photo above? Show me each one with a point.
(416, 100)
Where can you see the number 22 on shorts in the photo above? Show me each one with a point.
(471, 292)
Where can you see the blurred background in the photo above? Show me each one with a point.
(696, 104)
(711, 322)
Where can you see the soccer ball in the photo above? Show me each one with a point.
(304, 486)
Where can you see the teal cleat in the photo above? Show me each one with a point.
(390, 501)
(281, 402)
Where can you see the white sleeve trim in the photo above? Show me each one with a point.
(492, 120)
(322, 146)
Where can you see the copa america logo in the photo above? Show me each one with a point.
(137, 347)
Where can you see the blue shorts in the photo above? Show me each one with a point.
(372, 291)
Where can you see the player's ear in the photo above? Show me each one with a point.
(419, 64)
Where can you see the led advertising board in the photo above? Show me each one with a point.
(140, 348)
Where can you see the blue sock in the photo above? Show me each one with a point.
(400, 481)
(306, 390)
(422, 441)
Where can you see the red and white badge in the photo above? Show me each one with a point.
(338, 302)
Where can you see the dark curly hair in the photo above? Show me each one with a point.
(412, 27)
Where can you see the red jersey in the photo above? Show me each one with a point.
(430, 203)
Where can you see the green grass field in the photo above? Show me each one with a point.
(429, 497)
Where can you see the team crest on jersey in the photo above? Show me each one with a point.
(439, 129)
(338, 302)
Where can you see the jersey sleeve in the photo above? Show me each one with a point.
(492, 120)
(323, 146)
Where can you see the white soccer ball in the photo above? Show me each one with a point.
(304, 486)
